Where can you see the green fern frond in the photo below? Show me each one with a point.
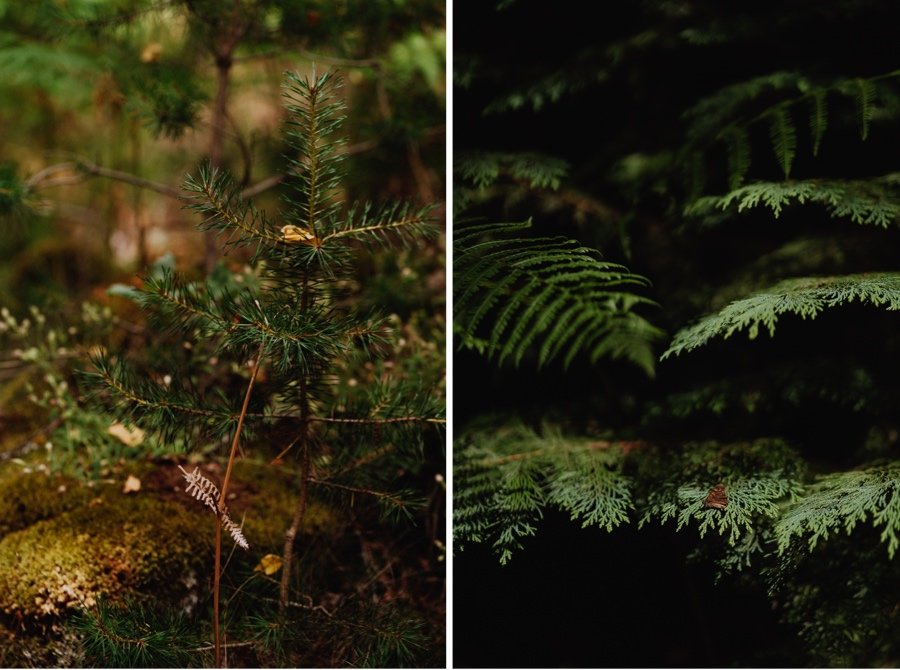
(865, 99)
(549, 293)
(695, 176)
(750, 499)
(818, 119)
(840, 501)
(483, 169)
(757, 476)
(545, 91)
(743, 105)
(505, 478)
(806, 297)
(784, 138)
(874, 202)
(726, 106)
(738, 141)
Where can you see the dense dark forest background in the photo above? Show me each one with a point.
(615, 95)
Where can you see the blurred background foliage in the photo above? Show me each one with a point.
(107, 106)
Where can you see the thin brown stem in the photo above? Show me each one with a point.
(128, 178)
(262, 186)
(300, 512)
(217, 575)
(39, 180)
(296, 522)
(393, 419)
(354, 489)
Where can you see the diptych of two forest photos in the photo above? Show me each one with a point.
(387, 333)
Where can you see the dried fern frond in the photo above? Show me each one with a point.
(201, 488)
(235, 531)
(204, 490)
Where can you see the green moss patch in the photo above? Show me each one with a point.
(117, 547)
(268, 510)
(26, 498)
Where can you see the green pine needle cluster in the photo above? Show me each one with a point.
(135, 636)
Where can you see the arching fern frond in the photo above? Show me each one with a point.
(546, 91)
(548, 293)
(722, 108)
(806, 297)
(841, 500)
(773, 100)
(873, 202)
(505, 478)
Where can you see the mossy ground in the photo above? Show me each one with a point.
(115, 546)
(66, 544)
(29, 497)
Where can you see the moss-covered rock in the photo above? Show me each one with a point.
(26, 498)
(268, 510)
(116, 547)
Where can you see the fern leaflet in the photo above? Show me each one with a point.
(749, 498)
(818, 119)
(784, 138)
(872, 202)
(841, 500)
(506, 477)
(756, 476)
(865, 99)
(548, 293)
(738, 156)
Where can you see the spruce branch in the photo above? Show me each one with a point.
(391, 498)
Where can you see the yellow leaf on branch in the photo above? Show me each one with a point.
(269, 564)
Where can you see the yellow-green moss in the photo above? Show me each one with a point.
(267, 513)
(26, 498)
(120, 547)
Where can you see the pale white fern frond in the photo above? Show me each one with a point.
(235, 531)
(201, 488)
(204, 490)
